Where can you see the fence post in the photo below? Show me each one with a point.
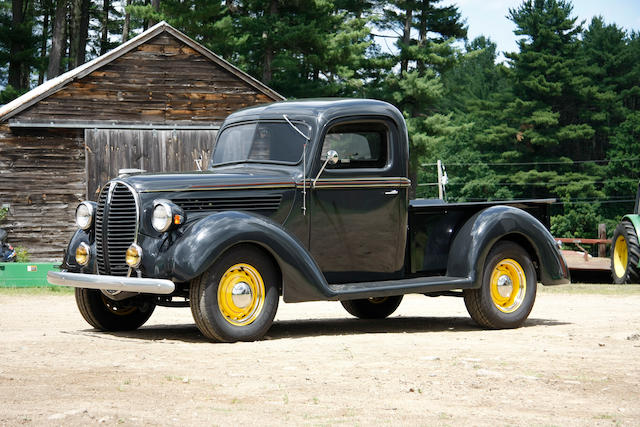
(602, 234)
(439, 166)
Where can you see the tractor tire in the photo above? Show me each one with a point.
(625, 254)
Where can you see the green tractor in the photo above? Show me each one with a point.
(625, 249)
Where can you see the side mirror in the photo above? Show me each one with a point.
(333, 158)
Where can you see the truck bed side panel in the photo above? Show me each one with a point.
(433, 224)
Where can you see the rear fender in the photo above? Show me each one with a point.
(204, 241)
(482, 231)
(635, 220)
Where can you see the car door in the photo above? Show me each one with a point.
(358, 206)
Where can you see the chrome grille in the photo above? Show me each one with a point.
(102, 200)
(242, 203)
(116, 230)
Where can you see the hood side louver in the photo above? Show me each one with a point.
(243, 203)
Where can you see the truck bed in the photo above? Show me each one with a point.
(433, 224)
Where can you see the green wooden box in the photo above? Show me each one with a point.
(25, 274)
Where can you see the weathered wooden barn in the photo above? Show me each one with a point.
(154, 103)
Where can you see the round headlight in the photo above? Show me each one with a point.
(83, 254)
(161, 219)
(134, 256)
(84, 215)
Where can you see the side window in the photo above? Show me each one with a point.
(359, 145)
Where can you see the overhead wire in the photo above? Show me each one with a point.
(573, 162)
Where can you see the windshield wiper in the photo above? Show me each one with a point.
(295, 128)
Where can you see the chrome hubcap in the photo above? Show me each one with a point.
(505, 286)
(241, 295)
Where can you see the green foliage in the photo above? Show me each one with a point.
(560, 119)
(3, 214)
(578, 220)
(22, 254)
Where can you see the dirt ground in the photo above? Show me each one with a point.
(576, 362)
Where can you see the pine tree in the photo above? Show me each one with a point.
(424, 51)
(18, 46)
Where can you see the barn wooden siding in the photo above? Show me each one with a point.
(161, 81)
(153, 103)
(109, 150)
(42, 178)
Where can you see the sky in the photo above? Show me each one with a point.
(488, 17)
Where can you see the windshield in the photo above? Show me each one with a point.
(275, 142)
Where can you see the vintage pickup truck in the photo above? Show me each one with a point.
(305, 200)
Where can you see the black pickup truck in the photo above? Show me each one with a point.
(307, 200)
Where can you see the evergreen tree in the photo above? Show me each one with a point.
(18, 46)
(302, 48)
(425, 50)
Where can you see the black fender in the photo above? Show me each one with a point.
(202, 242)
(69, 262)
(482, 231)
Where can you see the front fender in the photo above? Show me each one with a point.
(482, 231)
(204, 241)
(69, 262)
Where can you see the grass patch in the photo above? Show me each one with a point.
(591, 289)
(48, 290)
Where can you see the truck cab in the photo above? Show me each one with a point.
(307, 201)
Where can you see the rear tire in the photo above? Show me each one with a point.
(108, 315)
(372, 308)
(236, 299)
(508, 289)
(625, 253)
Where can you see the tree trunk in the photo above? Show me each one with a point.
(127, 22)
(16, 64)
(83, 34)
(406, 39)
(104, 39)
(422, 37)
(267, 72)
(57, 39)
(155, 4)
(46, 9)
(74, 32)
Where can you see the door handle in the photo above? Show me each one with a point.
(391, 192)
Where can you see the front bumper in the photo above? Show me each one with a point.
(111, 283)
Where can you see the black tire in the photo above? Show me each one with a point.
(108, 315)
(508, 289)
(224, 319)
(625, 253)
(372, 308)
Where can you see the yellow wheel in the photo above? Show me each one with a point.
(508, 288)
(241, 294)
(620, 257)
(106, 314)
(237, 297)
(625, 254)
(508, 285)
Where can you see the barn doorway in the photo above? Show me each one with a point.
(154, 150)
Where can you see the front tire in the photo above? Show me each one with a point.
(109, 315)
(508, 289)
(372, 308)
(625, 253)
(236, 299)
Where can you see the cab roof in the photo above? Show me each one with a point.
(319, 111)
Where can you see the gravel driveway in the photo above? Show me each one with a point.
(575, 362)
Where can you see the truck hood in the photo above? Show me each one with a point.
(228, 178)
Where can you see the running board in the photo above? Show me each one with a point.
(419, 285)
